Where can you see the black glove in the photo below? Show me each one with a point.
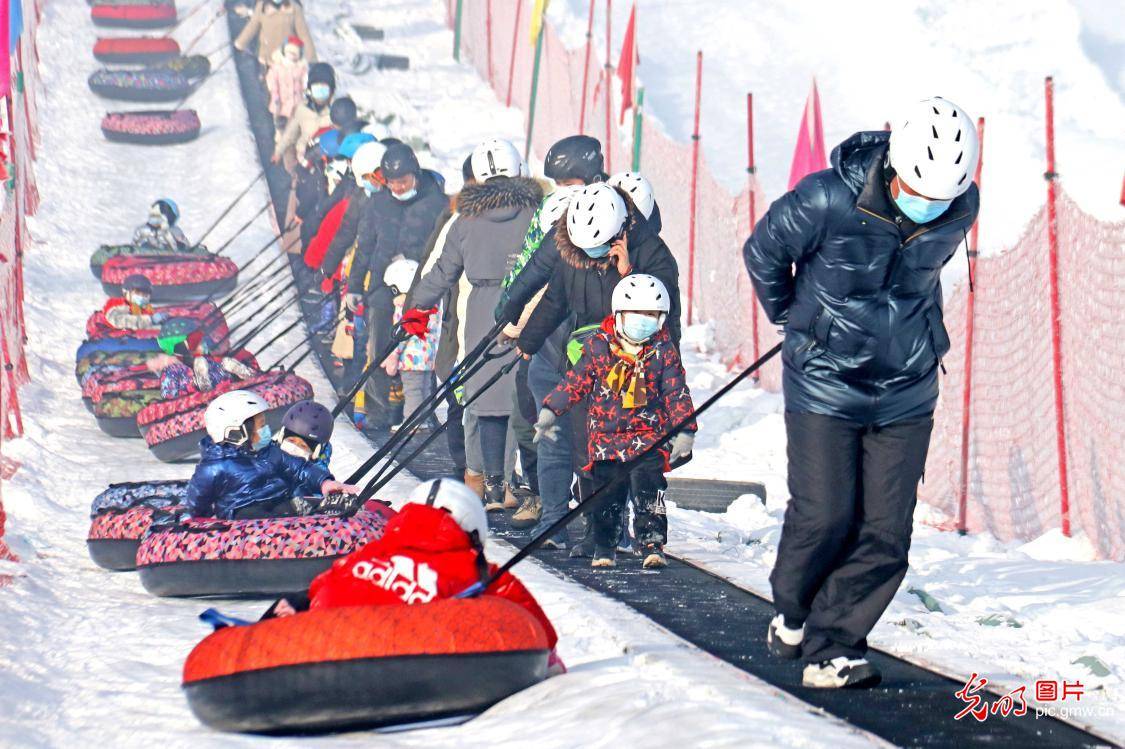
(339, 505)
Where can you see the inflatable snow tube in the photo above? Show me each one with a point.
(173, 428)
(116, 345)
(107, 251)
(251, 558)
(175, 278)
(152, 128)
(140, 85)
(99, 363)
(98, 328)
(129, 494)
(134, 16)
(144, 50)
(365, 666)
(123, 513)
(116, 412)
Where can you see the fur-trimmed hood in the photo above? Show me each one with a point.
(573, 255)
(499, 199)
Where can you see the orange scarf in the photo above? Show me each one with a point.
(626, 377)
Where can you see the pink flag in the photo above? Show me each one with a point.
(809, 155)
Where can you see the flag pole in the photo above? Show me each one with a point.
(638, 128)
(586, 69)
(534, 89)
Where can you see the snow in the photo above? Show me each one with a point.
(1013, 612)
(90, 655)
(871, 58)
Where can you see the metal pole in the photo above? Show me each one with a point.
(586, 69)
(967, 386)
(488, 30)
(694, 184)
(515, 45)
(751, 179)
(457, 32)
(534, 89)
(638, 128)
(1056, 331)
(608, 86)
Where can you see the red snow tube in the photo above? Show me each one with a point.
(152, 127)
(173, 428)
(115, 535)
(363, 666)
(129, 16)
(175, 278)
(97, 327)
(251, 558)
(143, 50)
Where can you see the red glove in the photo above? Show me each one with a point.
(417, 321)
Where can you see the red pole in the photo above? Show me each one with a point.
(515, 45)
(694, 184)
(488, 30)
(608, 86)
(751, 171)
(967, 386)
(1056, 332)
(586, 69)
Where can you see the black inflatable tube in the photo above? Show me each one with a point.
(136, 58)
(232, 578)
(118, 555)
(88, 403)
(161, 139)
(127, 93)
(122, 427)
(363, 692)
(183, 292)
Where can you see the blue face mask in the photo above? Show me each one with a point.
(918, 209)
(320, 91)
(639, 328)
(263, 438)
(408, 195)
(368, 188)
(597, 252)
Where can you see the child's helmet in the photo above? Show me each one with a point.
(168, 207)
(458, 500)
(137, 282)
(638, 188)
(175, 331)
(640, 292)
(555, 205)
(311, 422)
(366, 160)
(225, 418)
(400, 275)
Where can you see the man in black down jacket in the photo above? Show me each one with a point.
(863, 343)
(393, 222)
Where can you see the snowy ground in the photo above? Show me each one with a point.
(1012, 612)
(989, 57)
(89, 655)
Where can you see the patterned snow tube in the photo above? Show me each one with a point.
(116, 412)
(134, 16)
(100, 362)
(152, 127)
(116, 345)
(107, 251)
(122, 514)
(175, 278)
(251, 558)
(142, 50)
(365, 666)
(173, 428)
(97, 328)
(147, 86)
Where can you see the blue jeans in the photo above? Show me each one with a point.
(554, 457)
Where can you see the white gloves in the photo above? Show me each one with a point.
(681, 446)
(545, 426)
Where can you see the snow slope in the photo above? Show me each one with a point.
(88, 655)
(1012, 612)
(871, 57)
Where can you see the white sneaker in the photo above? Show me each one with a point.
(841, 672)
(782, 641)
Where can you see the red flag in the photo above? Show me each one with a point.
(809, 155)
(6, 52)
(627, 66)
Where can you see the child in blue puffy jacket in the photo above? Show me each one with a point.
(244, 475)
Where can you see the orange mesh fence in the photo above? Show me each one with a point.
(1013, 487)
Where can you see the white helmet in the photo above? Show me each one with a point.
(934, 149)
(226, 416)
(554, 206)
(458, 500)
(400, 275)
(638, 188)
(640, 292)
(596, 216)
(366, 160)
(377, 129)
(496, 158)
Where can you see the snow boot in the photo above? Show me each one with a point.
(603, 557)
(841, 673)
(475, 481)
(782, 641)
(493, 493)
(528, 513)
(654, 558)
(584, 548)
(552, 544)
(511, 501)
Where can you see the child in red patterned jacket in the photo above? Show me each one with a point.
(632, 378)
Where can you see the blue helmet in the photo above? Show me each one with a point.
(170, 210)
(350, 144)
(330, 144)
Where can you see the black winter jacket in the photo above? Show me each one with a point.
(385, 227)
(583, 287)
(862, 312)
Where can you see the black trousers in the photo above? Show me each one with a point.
(647, 483)
(844, 544)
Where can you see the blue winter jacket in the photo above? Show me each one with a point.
(857, 286)
(229, 478)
